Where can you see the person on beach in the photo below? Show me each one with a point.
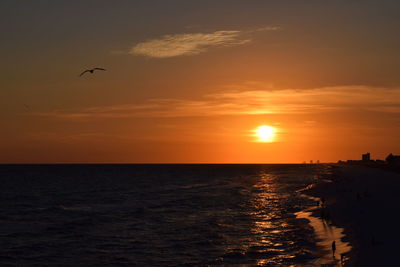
(333, 248)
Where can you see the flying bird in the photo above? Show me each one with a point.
(91, 70)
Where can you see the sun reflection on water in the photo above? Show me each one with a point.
(267, 224)
(273, 234)
(274, 239)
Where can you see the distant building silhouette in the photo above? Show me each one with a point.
(366, 157)
(393, 159)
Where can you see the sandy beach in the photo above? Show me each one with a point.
(364, 202)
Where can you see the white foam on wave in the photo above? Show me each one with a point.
(326, 233)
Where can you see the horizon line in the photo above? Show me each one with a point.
(165, 163)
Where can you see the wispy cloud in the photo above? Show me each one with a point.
(186, 44)
(268, 28)
(174, 45)
(250, 102)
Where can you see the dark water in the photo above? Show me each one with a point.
(155, 215)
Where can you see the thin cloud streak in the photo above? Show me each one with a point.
(251, 102)
(174, 45)
(186, 44)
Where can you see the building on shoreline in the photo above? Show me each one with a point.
(393, 159)
(366, 157)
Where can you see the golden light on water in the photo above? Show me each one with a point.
(265, 133)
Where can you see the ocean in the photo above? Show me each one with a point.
(156, 215)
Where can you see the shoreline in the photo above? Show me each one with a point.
(326, 233)
(362, 201)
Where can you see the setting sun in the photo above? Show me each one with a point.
(265, 133)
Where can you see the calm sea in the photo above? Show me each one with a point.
(155, 215)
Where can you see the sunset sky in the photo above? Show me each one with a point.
(190, 81)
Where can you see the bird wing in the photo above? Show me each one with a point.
(84, 72)
(99, 69)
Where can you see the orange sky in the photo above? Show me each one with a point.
(188, 83)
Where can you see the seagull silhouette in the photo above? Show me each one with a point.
(91, 70)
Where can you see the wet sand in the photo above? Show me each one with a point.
(364, 202)
(326, 233)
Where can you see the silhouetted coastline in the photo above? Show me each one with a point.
(362, 198)
(390, 163)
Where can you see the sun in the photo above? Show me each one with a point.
(265, 133)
